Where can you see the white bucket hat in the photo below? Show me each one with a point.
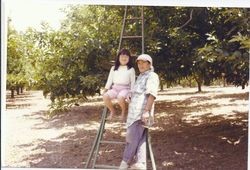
(146, 57)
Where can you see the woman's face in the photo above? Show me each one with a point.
(143, 66)
(124, 59)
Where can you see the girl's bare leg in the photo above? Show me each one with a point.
(108, 103)
(121, 102)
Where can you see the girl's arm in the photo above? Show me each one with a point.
(132, 78)
(132, 83)
(110, 79)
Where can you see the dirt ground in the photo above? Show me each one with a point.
(194, 131)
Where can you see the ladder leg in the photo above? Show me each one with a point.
(99, 138)
(96, 139)
(150, 151)
(142, 30)
(96, 144)
(123, 25)
(122, 36)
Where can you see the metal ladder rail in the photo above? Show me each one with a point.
(123, 26)
(98, 141)
(93, 149)
(150, 150)
(102, 126)
(122, 36)
(96, 145)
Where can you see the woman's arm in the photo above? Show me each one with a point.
(149, 104)
(151, 90)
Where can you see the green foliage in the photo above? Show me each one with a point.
(16, 60)
(187, 45)
(244, 41)
(75, 60)
(187, 82)
(203, 47)
(91, 84)
(231, 51)
(62, 105)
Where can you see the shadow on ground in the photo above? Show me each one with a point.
(188, 135)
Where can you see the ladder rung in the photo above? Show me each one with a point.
(106, 166)
(134, 18)
(113, 142)
(136, 36)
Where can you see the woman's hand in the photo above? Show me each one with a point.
(128, 98)
(145, 117)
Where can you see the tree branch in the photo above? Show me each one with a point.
(190, 18)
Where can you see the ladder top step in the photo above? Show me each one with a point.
(112, 142)
(107, 166)
(136, 36)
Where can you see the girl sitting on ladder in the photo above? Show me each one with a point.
(120, 81)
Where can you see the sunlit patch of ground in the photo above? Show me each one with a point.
(206, 130)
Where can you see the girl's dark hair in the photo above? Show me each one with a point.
(123, 52)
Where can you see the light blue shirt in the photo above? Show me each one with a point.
(146, 83)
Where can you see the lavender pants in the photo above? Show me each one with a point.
(135, 143)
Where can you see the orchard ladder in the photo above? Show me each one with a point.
(91, 161)
(127, 21)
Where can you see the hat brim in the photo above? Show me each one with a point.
(143, 60)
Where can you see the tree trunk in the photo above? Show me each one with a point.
(168, 85)
(179, 81)
(161, 85)
(190, 82)
(223, 79)
(21, 89)
(198, 79)
(199, 86)
(243, 86)
(224, 82)
(12, 93)
(18, 90)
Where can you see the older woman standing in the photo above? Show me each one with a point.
(141, 107)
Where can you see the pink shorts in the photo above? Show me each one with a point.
(118, 91)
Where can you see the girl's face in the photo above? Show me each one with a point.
(143, 66)
(123, 59)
